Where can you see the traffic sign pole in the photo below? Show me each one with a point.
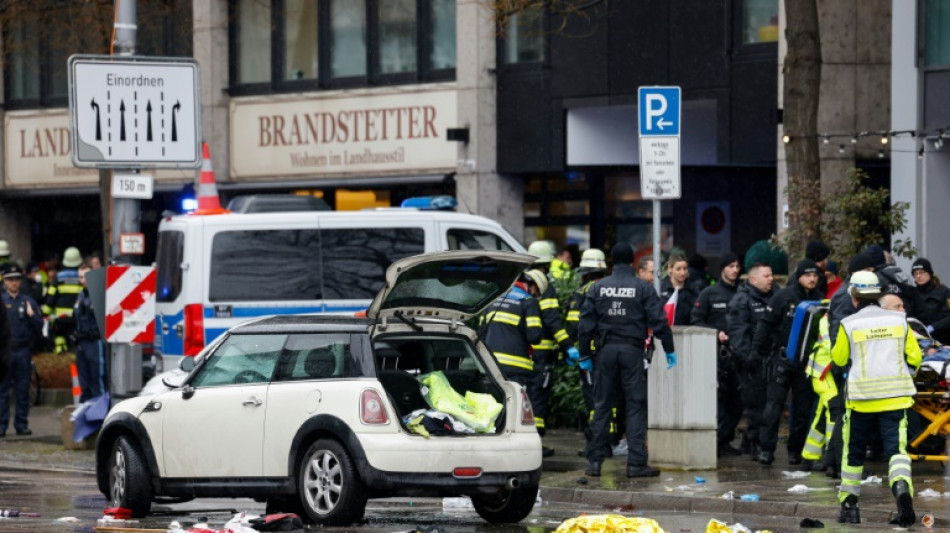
(659, 121)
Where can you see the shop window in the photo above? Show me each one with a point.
(759, 21)
(524, 37)
(936, 35)
(328, 44)
(300, 49)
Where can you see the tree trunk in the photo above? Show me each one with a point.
(802, 78)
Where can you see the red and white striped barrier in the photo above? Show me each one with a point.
(130, 304)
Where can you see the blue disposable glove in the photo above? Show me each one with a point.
(670, 360)
(586, 365)
(930, 329)
(573, 354)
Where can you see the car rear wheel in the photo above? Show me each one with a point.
(507, 506)
(129, 482)
(329, 486)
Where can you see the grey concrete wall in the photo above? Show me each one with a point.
(211, 52)
(479, 187)
(906, 168)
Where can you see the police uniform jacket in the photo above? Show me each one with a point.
(22, 326)
(620, 308)
(712, 306)
(771, 333)
(937, 309)
(86, 326)
(554, 333)
(684, 301)
(4, 345)
(512, 323)
(574, 310)
(746, 308)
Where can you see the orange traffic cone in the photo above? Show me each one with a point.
(207, 191)
(77, 391)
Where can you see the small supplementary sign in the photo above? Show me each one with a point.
(132, 186)
(132, 243)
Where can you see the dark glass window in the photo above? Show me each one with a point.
(170, 254)
(241, 360)
(39, 37)
(355, 260)
(759, 21)
(266, 265)
(315, 356)
(293, 45)
(937, 33)
(471, 239)
(524, 37)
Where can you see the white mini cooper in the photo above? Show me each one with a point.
(312, 413)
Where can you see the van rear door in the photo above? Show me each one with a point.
(170, 287)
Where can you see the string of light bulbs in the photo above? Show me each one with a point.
(936, 136)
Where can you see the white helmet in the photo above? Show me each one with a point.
(543, 250)
(71, 257)
(865, 285)
(538, 278)
(4, 249)
(592, 260)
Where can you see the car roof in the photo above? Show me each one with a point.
(317, 323)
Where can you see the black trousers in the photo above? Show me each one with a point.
(542, 383)
(752, 385)
(776, 393)
(619, 366)
(729, 400)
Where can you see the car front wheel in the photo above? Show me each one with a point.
(507, 506)
(129, 482)
(329, 486)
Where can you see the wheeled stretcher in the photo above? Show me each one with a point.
(932, 403)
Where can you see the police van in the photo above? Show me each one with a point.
(215, 271)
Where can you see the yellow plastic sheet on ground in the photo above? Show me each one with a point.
(609, 523)
(715, 526)
(477, 411)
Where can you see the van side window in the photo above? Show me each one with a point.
(472, 239)
(170, 254)
(355, 259)
(255, 265)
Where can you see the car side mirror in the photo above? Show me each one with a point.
(187, 392)
(187, 364)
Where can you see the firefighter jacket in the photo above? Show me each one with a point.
(771, 333)
(554, 333)
(712, 306)
(937, 309)
(746, 308)
(574, 310)
(61, 297)
(881, 349)
(685, 300)
(820, 357)
(620, 308)
(511, 324)
(839, 307)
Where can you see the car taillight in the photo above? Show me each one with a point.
(527, 415)
(371, 408)
(194, 329)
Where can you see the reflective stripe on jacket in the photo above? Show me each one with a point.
(821, 356)
(511, 324)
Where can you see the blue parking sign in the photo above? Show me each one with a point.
(659, 111)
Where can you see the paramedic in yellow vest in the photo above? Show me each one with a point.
(880, 354)
(61, 298)
(830, 405)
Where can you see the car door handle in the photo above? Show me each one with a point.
(252, 402)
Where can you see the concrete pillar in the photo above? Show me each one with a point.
(682, 402)
(479, 187)
(211, 52)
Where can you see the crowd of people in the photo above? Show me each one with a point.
(856, 379)
(48, 309)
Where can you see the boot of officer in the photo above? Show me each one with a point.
(616, 315)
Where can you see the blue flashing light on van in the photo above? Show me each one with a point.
(438, 203)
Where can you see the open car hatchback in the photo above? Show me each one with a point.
(315, 414)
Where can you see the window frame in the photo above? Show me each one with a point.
(424, 39)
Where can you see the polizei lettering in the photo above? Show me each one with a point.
(618, 292)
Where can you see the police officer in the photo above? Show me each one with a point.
(710, 311)
(61, 297)
(25, 320)
(878, 350)
(616, 314)
(546, 352)
(746, 308)
(771, 336)
(895, 281)
(510, 325)
(90, 352)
